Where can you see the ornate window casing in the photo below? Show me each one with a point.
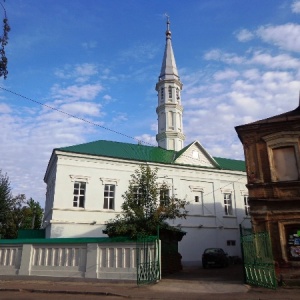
(284, 155)
(80, 178)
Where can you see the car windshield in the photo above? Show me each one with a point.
(213, 250)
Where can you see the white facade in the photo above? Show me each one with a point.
(211, 222)
(85, 183)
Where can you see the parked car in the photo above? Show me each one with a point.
(214, 257)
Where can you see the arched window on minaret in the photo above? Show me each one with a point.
(162, 94)
(170, 92)
(177, 95)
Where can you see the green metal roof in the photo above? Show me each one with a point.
(231, 164)
(143, 153)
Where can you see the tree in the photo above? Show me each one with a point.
(3, 43)
(142, 213)
(16, 212)
(5, 203)
(32, 215)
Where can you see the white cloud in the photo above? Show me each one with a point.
(107, 97)
(79, 72)
(140, 52)
(89, 45)
(4, 108)
(146, 139)
(77, 92)
(227, 74)
(82, 108)
(244, 35)
(281, 61)
(120, 117)
(296, 7)
(218, 55)
(284, 36)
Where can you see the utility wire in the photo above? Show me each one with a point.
(70, 115)
(111, 130)
(81, 119)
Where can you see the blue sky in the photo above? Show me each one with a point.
(99, 60)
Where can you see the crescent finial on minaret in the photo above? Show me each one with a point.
(168, 32)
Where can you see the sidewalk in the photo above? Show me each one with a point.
(193, 283)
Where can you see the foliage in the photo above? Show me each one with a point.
(142, 212)
(3, 43)
(5, 203)
(16, 212)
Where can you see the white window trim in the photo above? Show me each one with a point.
(109, 181)
(80, 178)
(243, 194)
(194, 188)
(229, 191)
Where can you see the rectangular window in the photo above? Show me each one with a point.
(164, 197)
(231, 243)
(137, 195)
(246, 205)
(109, 196)
(79, 194)
(285, 163)
(228, 204)
(170, 92)
(162, 94)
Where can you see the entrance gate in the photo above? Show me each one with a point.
(148, 259)
(258, 260)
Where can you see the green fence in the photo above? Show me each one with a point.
(148, 259)
(258, 260)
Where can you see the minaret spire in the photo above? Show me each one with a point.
(169, 110)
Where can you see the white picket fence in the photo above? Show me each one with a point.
(113, 261)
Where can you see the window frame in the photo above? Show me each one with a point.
(164, 197)
(79, 198)
(80, 179)
(278, 140)
(228, 203)
(109, 199)
(109, 182)
(170, 92)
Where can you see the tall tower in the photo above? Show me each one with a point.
(169, 110)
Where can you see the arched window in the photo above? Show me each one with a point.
(162, 94)
(177, 94)
(170, 92)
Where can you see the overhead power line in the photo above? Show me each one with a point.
(72, 116)
(81, 119)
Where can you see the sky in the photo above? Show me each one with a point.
(99, 60)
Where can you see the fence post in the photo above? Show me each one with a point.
(91, 261)
(25, 266)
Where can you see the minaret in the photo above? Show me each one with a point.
(169, 110)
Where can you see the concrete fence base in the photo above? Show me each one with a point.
(113, 261)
